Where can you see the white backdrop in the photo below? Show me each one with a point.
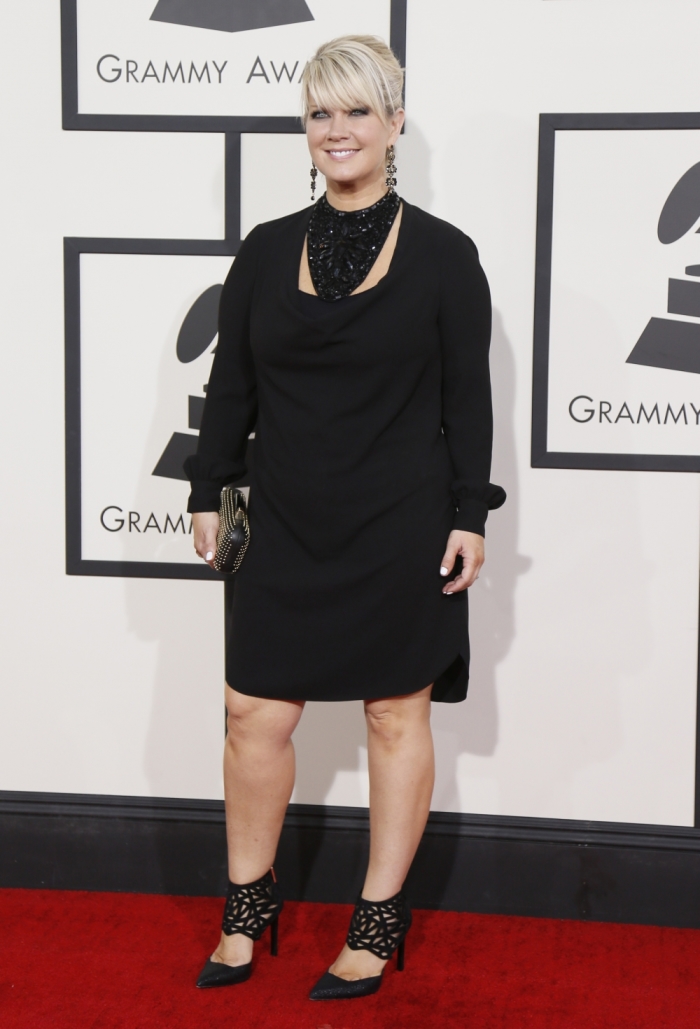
(584, 624)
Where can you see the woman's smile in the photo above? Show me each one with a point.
(341, 155)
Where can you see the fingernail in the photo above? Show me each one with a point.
(209, 555)
(443, 570)
(448, 593)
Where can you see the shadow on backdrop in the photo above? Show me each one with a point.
(492, 614)
(473, 727)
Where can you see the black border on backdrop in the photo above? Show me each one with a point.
(541, 457)
(73, 247)
(72, 119)
(542, 867)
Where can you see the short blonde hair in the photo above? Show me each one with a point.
(354, 71)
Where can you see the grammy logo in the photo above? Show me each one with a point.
(196, 335)
(197, 332)
(671, 342)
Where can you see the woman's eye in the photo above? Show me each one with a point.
(360, 110)
(319, 114)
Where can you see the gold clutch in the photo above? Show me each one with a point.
(233, 536)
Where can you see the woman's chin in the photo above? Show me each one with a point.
(347, 178)
(342, 173)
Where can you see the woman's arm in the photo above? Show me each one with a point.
(467, 419)
(230, 408)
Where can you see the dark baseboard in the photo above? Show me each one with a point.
(497, 865)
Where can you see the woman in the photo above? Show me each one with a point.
(353, 336)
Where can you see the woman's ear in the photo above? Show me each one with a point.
(396, 124)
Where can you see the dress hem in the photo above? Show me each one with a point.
(450, 685)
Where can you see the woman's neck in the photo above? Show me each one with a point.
(354, 197)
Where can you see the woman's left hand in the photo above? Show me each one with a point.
(470, 546)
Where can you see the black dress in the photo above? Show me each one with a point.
(373, 427)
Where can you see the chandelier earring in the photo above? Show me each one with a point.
(391, 169)
(314, 173)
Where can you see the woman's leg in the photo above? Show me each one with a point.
(401, 779)
(258, 782)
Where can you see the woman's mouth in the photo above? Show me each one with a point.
(341, 155)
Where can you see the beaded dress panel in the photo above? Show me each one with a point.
(344, 245)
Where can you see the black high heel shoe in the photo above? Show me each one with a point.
(249, 910)
(379, 927)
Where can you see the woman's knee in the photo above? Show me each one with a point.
(253, 719)
(392, 719)
(384, 725)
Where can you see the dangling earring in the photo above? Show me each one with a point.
(391, 169)
(314, 173)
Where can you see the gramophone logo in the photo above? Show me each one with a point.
(197, 333)
(232, 15)
(675, 342)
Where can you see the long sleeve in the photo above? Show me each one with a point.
(230, 408)
(467, 419)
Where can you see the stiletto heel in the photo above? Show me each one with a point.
(249, 910)
(379, 927)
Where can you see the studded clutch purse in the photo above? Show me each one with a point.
(233, 536)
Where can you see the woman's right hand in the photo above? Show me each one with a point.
(205, 525)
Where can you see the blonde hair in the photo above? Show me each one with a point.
(354, 71)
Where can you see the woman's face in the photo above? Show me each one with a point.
(349, 147)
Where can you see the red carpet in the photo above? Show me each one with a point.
(112, 961)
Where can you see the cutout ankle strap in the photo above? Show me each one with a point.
(379, 926)
(252, 907)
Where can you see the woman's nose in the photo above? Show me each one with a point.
(338, 129)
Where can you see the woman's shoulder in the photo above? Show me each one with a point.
(280, 228)
(267, 241)
(442, 235)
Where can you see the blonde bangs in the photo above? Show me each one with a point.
(334, 91)
(353, 71)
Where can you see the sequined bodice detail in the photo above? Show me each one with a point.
(343, 245)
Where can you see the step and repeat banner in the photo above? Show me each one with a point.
(617, 340)
(585, 622)
(141, 314)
